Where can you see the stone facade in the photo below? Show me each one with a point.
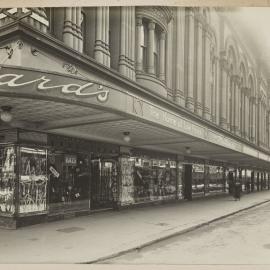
(190, 56)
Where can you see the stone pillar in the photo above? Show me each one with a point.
(162, 56)
(259, 119)
(170, 56)
(252, 181)
(254, 110)
(237, 95)
(179, 56)
(74, 28)
(223, 97)
(207, 85)
(268, 127)
(200, 68)
(242, 112)
(133, 42)
(189, 70)
(101, 50)
(139, 50)
(68, 30)
(98, 51)
(122, 57)
(247, 115)
(127, 35)
(150, 47)
(79, 29)
(218, 89)
(107, 41)
(187, 181)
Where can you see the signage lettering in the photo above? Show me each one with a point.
(70, 160)
(54, 171)
(12, 80)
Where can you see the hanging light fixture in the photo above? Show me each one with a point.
(6, 115)
(188, 150)
(126, 137)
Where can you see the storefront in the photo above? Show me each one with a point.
(46, 176)
(149, 177)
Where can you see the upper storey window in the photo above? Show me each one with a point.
(150, 48)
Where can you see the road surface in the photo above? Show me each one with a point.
(240, 239)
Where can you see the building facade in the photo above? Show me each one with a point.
(107, 107)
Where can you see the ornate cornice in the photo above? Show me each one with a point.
(160, 15)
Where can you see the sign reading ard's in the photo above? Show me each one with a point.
(41, 81)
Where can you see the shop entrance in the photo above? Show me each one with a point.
(69, 177)
(104, 183)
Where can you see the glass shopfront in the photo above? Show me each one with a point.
(217, 180)
(207, 179)
(69, 175)
(198, 180)
(33, 180)
(154, 179)
(7, 179)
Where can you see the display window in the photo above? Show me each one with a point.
(198, 179)
(104, 183)
(154, 179)
(69, 176)
(33, 180)
(216, 182)
(7, 179)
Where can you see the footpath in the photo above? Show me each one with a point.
(90, 239)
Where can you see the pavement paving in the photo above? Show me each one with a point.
(93, 238)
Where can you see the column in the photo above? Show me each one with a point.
(223, 97)
(237, 95)
(122, 60)
(79, 30)
(218, 89)
(254, 111)
(133, 42)
(207, 85)
(230, 102)
(268, 127)
(74, 28)
(162, 56)
(199, 86)
(139, 51)
(150, 47)
(179, 56)
(127, 32)
(98, 51)
(252, 181)
(101, 50)
(187, 181)
(247, 112)
(107, 41)
(67, 31)
(189, 77)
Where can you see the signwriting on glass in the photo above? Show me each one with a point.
(13, 80)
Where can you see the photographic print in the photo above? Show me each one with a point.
(135, 134)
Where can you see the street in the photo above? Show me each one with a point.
(239, 239)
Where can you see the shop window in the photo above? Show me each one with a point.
(7, 179)
(33, 180)
(198, 180)
(154, 179)
(69, 175)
